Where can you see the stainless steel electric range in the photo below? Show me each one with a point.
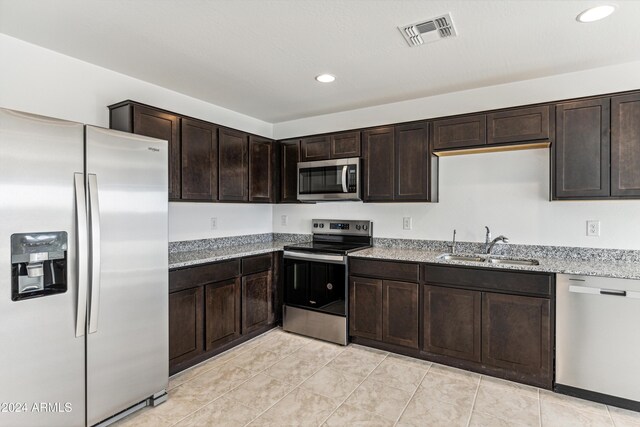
(316, 279)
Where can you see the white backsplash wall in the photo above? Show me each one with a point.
(190, 221)
(507, 191)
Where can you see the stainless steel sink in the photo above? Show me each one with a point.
(488, 259)
(513, 261)
(461, 257)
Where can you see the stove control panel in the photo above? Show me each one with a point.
(339, 226)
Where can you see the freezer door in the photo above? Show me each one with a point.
(127, 343)
(41, 358)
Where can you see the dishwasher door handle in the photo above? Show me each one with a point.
(598, 291)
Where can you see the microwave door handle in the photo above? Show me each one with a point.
(344, 179)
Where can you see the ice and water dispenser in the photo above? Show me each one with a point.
(38, 264)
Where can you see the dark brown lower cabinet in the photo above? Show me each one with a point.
(384, 310)
(213, 307)
(222, 312)
(400, 313)
(516, 334)
(185, 325)
(365, 308)
(256, 301)
(451, 325)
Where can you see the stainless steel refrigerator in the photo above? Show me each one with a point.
(83, 272)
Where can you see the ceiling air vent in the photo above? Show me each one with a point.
(429, 31)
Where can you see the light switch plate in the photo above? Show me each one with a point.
(406, 223)
(593, 228)
(284, 220)
(214, 223)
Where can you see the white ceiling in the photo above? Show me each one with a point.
(259, 57)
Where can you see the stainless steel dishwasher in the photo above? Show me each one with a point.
(598, 339)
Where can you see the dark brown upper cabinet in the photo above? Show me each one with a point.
(335, 146)
(457, 132)
(315, 148)
(199, 160)
(131, 117)
(233, 169)
(416, 169)
(582, 150)
(262, 158)
(378, 147)
(289, 158)
(625, 146)
(345, 145)
(518, 125)
(398, 164)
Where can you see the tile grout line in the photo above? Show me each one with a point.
(412, 395)
(290, 391)
(226, 392)
(354, 390)
(475, 397)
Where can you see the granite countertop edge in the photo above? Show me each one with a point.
(622, 270)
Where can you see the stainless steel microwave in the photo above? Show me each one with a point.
(329, 180)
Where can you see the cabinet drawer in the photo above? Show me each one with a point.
(200, 275)
(404, 271)
(256, 263)
(501, 281)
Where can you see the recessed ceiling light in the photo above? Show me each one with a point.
(325, 78)
(596, 13)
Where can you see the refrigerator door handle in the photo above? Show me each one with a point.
(94, 217)
(83, 259)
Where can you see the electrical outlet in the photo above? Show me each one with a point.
(406, 223)
(214, 223)
(593, 228)
(284, 220)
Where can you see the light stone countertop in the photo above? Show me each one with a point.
(624, 270)
(604, 267)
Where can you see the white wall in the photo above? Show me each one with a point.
(509, 192)
(45, 82)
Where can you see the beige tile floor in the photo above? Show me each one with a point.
(281, 379)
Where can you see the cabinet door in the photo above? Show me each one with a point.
(233, 168)
(345, 145)
(451, 322)
(468, 131)
(516, 335)
(256, 301)
(378, 146)
(161, 125)
(185, 325)
(315, 148)
(365, 308)
(520, 124)
(625, 146)
(222, 312)
(412, 162)
(261, 169)
(581, 154)
(199, 160)
(400, 313)
(289, 158)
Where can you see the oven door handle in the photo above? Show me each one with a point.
(305, 256)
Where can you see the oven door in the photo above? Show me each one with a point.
(316, 282)
(329, 180)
